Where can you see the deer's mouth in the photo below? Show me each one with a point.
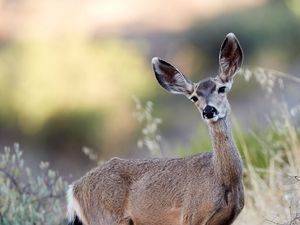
(213, 119)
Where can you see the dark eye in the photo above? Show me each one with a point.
(222, 89)
(194, 98)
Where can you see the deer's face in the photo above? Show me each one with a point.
(209, 95)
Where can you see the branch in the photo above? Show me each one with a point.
(13, 180)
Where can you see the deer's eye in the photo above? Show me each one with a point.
(222, 89)
(194, 99)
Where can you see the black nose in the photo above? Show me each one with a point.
(209, 112)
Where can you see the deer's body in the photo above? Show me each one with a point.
(203, 189)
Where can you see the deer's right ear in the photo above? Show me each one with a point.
(170, 78)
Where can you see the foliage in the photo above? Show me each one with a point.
(26, 198)
(273, 192)
(263, 31)
(55, 86)
(150, 133)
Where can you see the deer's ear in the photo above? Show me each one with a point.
(230, 57)
(170, 78)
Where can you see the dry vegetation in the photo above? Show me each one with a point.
(272, 189)
(273, 193)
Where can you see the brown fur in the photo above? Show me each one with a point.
(203, 189)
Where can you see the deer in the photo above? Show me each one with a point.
(202, 189)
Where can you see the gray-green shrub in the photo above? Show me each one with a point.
(26, 198)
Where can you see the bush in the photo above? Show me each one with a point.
(29, 199)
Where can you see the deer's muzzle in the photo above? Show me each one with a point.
(209, 112)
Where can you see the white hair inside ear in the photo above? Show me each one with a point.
(230, 57)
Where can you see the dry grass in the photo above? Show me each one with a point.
(273, 193)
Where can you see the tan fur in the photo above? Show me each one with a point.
(205, 188)
(74, 207)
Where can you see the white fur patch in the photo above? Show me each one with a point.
(74, 208)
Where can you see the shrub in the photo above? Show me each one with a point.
(26, 198)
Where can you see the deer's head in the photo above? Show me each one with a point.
(209, 95)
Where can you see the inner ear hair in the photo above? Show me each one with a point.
(230, 57)
(171, 78)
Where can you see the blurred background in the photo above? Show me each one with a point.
(69, 69)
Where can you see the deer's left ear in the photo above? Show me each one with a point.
(170, 78)
(230, 57)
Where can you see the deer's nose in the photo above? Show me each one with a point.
(209, 112)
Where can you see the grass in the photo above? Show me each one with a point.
(271, 170)
(273, 192)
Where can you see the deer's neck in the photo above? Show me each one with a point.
(226, 160)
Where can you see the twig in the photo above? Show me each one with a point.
(13, 180)
(280, 74)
